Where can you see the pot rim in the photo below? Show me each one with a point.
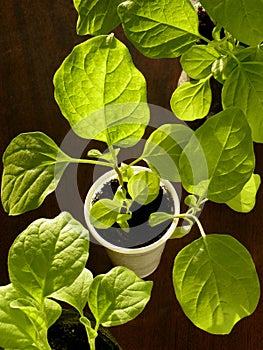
(91, 195)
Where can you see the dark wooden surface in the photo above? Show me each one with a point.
(35, 37)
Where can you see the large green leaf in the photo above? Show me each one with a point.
(118, 296)
(48, 255)
(163, 149)
(160, 28)
(96, 16)
(216, 283)
(243, 18)
(77, 293)
(16, 329)
(225, 141)
(198, 60)
(33, 166)
(192, 100)
(245, 201)
(244, 89)
(101, 93)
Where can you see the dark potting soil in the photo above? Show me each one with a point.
(69, 334)
(141, 233)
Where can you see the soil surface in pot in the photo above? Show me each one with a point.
(141, 233)
(69, 334)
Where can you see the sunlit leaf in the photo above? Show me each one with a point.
(144, 187)
(48, 255)
(219, 159)
(160, 28)
(192, 100)
(101, 93)
(243, 18)
(33, 166)
(216, 283)
(163, 149)
(118, 296)
(96, 16)
(245, 201)
(198, 60)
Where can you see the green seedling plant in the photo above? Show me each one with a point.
(47, 263)
(92, 88)
(169, 29)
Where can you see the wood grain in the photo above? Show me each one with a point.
(35, 37)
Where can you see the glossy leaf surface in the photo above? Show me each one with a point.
(243, 19)
(216, 283)
(160, 28)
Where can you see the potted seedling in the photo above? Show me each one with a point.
(92, 95)
(46, 264)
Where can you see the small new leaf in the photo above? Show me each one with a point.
(159, 217)
(104, 213)
(144, 187)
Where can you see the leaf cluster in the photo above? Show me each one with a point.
(46, 263)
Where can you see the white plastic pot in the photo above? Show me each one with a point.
(144, 260)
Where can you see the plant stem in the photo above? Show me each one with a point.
(191, 216)
(90, 161)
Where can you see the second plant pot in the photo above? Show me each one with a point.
(141, 248)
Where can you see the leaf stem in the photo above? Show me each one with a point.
(90, 161)
(191, 216)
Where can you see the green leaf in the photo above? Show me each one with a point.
(48, 255)
(16, 329)
(33, 166)
(192, 100)
(223, 169)
(118, 296)
(95, 153)
(163, 149)
(52, 311)
(198, 60)
(244, 89)
(144, 187)
(160, 28)
(245, 201)
(243, 19)
(104, 213)
(216, 283)
(76, 294)
(101, 93)
(181, 231)
(96, 16)
(159, 217)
